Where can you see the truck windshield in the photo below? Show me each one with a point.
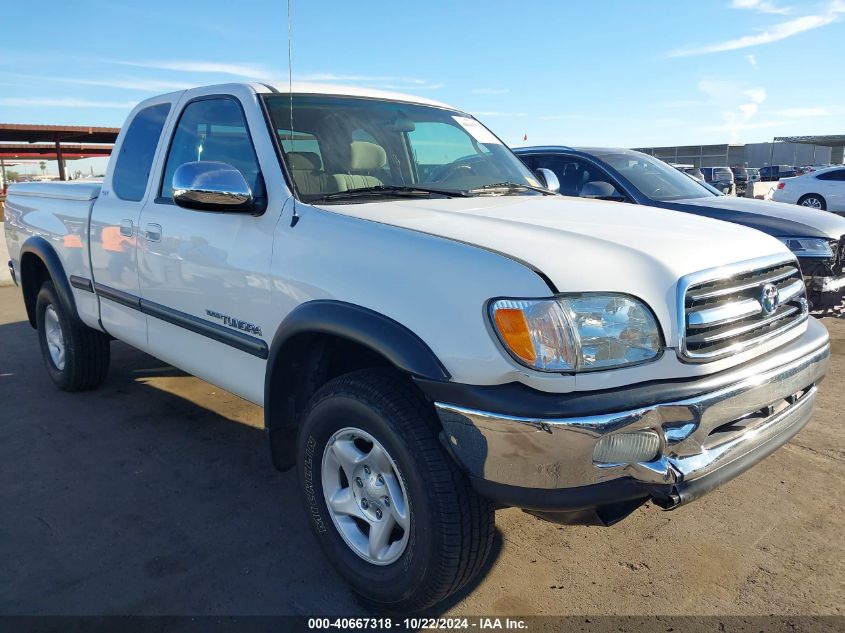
(382, 149)
(654, 178)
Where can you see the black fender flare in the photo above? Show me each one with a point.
(400, 346)
(43, 250)
(371, 329)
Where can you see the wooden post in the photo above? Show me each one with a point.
(60, 159)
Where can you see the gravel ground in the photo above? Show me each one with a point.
(155, 495)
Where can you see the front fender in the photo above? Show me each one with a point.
(293, 371)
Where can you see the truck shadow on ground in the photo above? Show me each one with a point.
(133, 499)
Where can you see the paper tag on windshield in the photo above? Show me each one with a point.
(478, 131)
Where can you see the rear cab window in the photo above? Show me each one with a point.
(137, 151)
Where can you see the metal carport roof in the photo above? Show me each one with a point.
(13, 136)
(828, 140)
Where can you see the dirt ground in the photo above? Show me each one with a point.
(155, 495)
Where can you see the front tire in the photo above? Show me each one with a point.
(813, 201)
(393, 513)
(76, 357)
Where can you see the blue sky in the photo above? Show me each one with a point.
(567, 72)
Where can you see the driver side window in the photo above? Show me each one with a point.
(213, 130)
(573, 173)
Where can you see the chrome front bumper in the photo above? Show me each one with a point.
(740, 417)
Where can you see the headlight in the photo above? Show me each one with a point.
(808, 246)
(573, 333)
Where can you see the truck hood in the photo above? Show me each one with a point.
(774, 218)
(584, 245)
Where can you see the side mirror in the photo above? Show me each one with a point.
(600, 191)
(211, 186)
(548, 179)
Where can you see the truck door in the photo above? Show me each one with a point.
(114, 224)
(204, 275)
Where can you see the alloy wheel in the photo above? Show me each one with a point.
(54, 336)
(366, 496)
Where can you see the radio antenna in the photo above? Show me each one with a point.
(294, 217)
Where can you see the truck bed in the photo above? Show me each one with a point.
(61, 190)
(59, 213)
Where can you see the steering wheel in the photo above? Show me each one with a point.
(452, 171)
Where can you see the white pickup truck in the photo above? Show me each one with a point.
(432, 332)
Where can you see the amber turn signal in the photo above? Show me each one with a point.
(514, 330)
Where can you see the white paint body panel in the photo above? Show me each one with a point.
(431, 265)
(59, 213)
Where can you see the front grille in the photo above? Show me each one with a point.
(724, 313)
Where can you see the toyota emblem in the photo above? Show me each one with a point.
(769, 299)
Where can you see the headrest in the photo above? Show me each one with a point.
(597, 189)
(305, 161)
(366, 156)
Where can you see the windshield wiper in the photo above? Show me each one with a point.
(390, 190)
(512, 186)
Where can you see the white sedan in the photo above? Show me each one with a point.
(823, 189)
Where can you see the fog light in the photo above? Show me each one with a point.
(627, 448)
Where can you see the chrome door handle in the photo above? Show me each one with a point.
(153, 232)
(127, 228)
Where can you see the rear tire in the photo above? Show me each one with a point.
(351, 423)
(813, 201)
(76, 357)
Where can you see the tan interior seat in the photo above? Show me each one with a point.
(364, 159)
(307, 171)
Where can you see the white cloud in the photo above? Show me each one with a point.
(127, 83)
(748, 109)
(144, 85)
(261, 73)
(413, 81)
(490, 91)
(775, 33)
(763, 6)
(752, 59)
(384, 82)
(736, 103)
(757, 95)
(249, 71)
(15, 102)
